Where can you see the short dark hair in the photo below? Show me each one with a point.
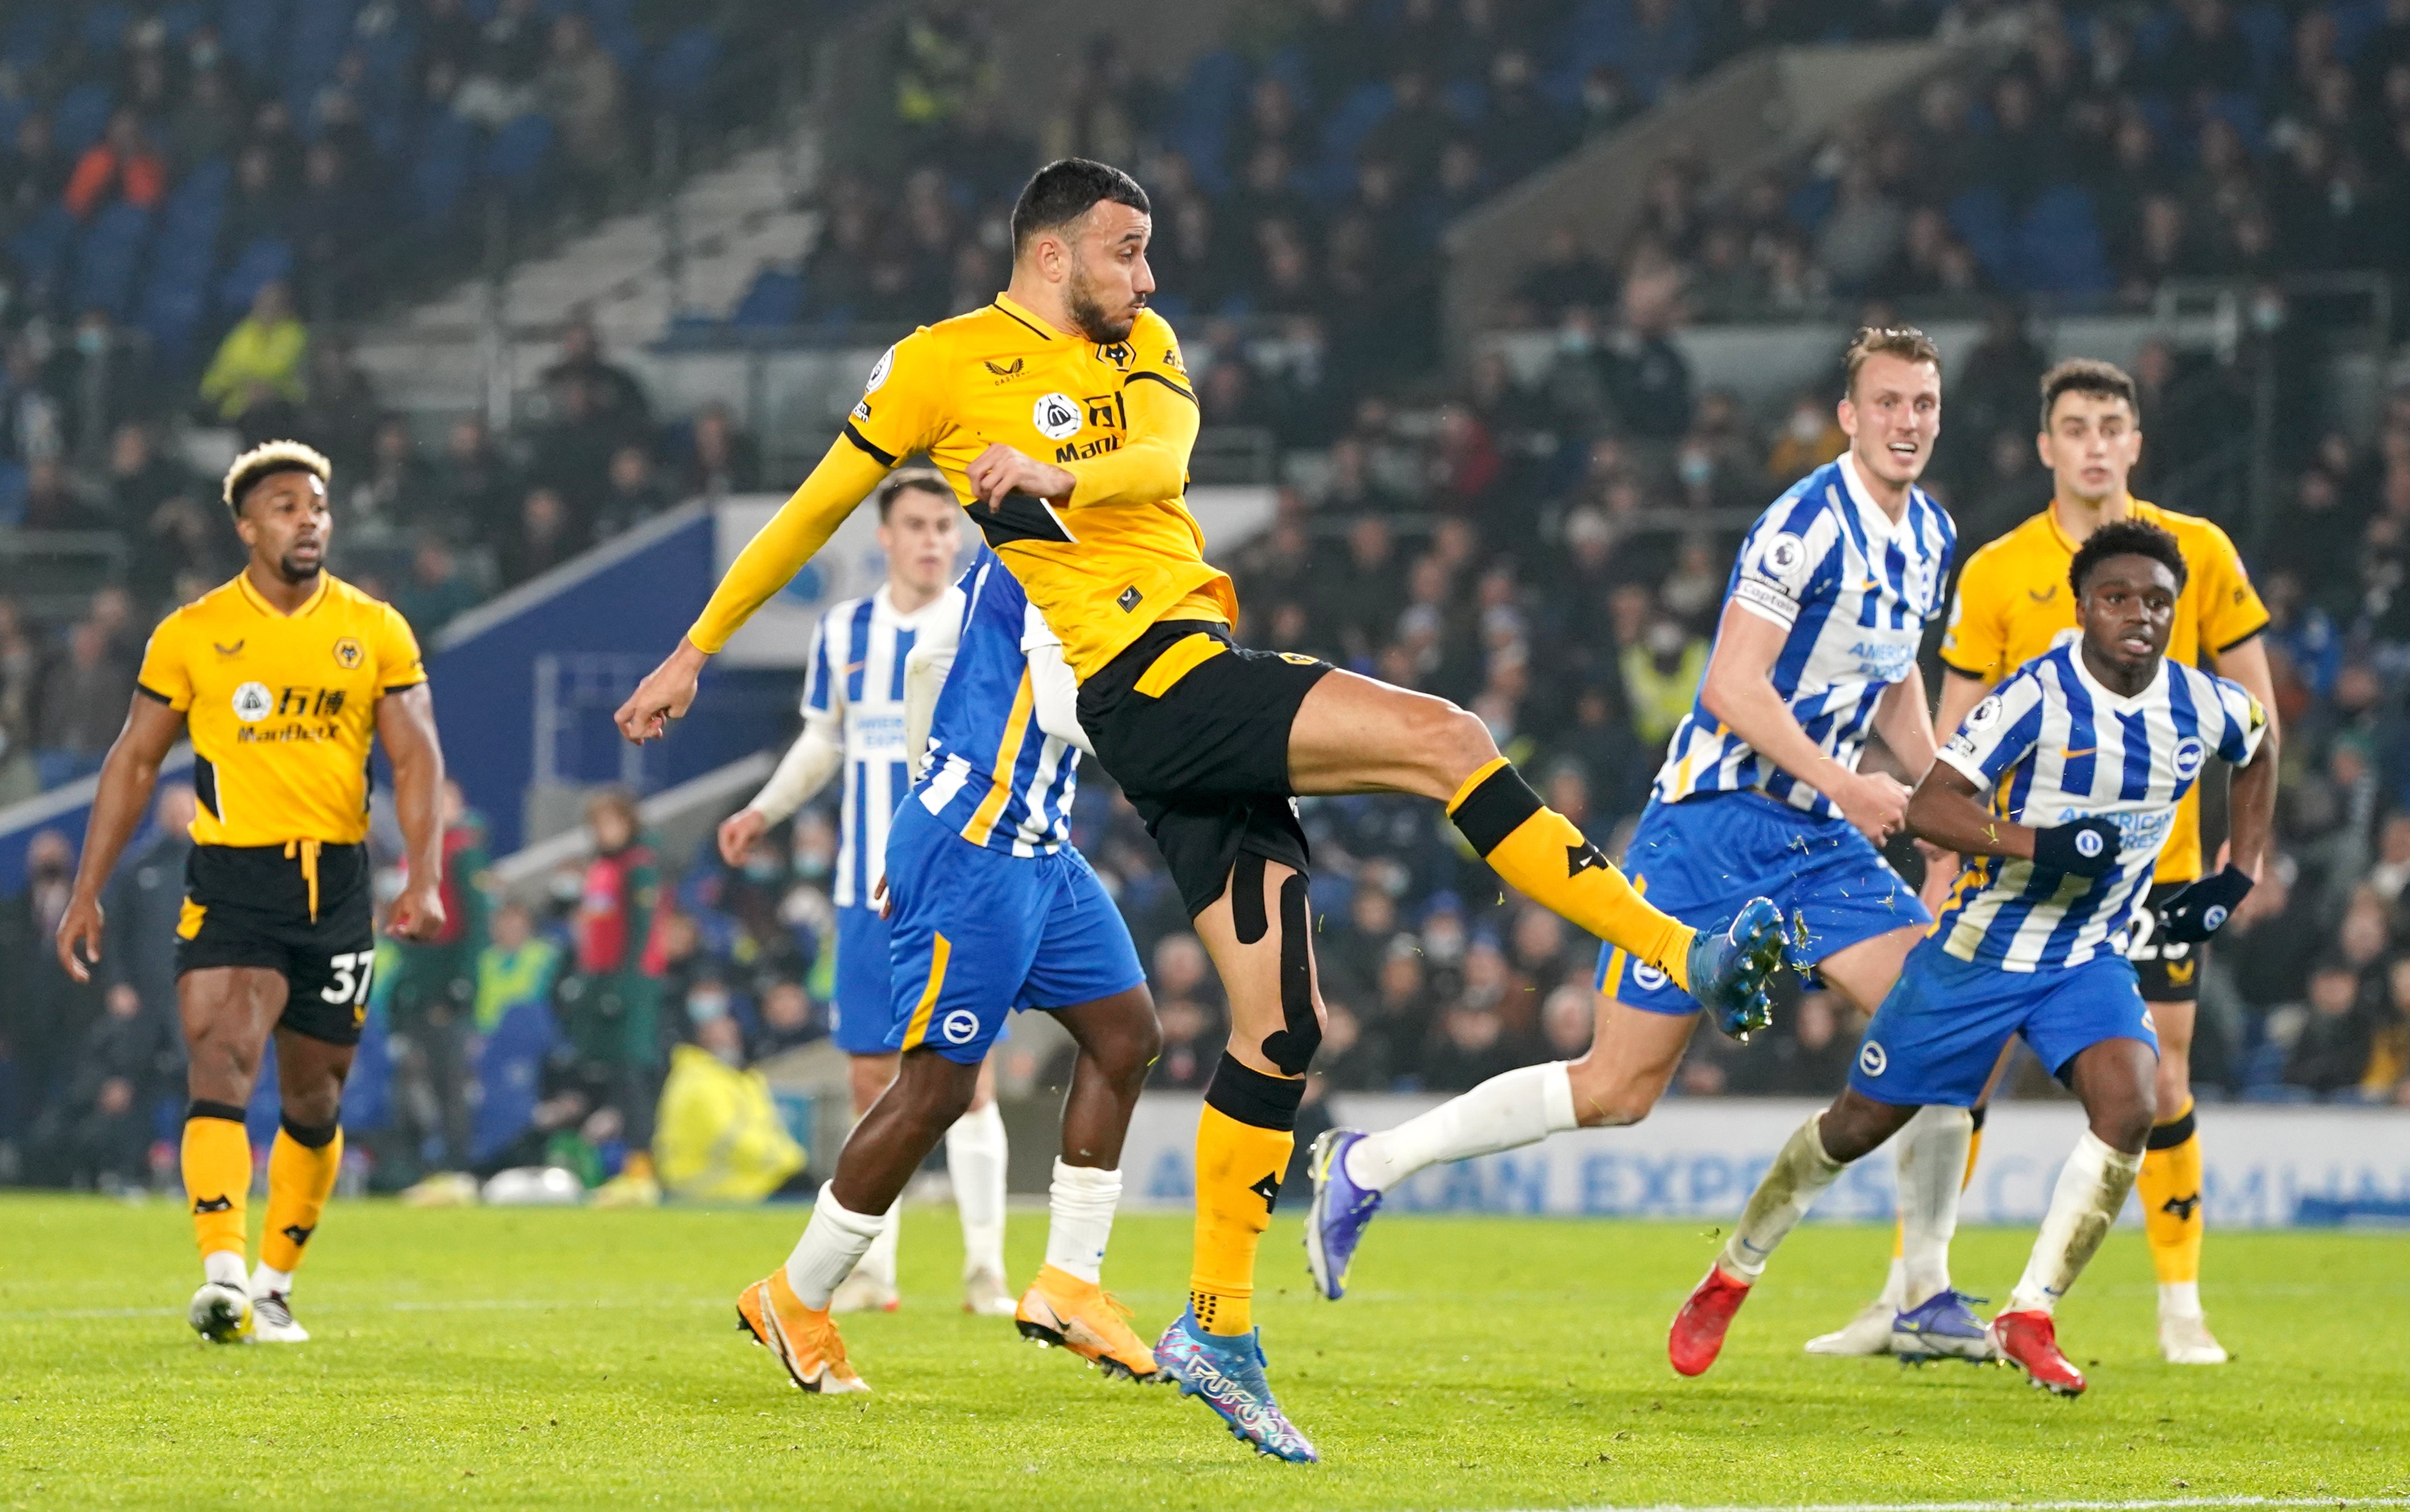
(1067, 189)
(2127, 538)
(1905, 342)
(904, 479)
(2087, 375)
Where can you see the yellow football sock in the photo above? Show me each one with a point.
(2170, 1186)
(217, 1176)
(1540, 854)
(301, 1169)
(1244, 1140)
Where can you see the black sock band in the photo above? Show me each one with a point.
(1496, 810)
(2167, 1136)
(313, 1136)
(1249, 1097)
(1977, 1112)
(202, 1107)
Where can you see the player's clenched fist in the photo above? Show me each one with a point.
(1000, 470)
(663, 696)
(1875, 805)
(739, 831)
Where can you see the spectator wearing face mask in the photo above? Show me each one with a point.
(1660, 679)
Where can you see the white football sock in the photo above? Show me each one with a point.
(2180, 1298)
(833, 1243)
(1512, 1109)
(878, 1260)
(264, 1281)
(1790, 1188)
(2092, 1187)
(1894, 1292)
(975, 1159)
(1080, 1204)
(224, 1265)
(1931, 1167)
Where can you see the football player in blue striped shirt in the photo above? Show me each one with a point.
(2058, 790)
(992, 910)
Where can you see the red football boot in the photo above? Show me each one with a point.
(1698, 1334)
(2029, 1341)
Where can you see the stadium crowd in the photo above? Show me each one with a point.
(1550, 550)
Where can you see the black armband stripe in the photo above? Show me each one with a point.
(1947, 665)
(2244, 639)
(1159, 378)
(884, 458)
(148, 691)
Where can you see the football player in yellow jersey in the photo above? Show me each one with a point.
(281, 677)
(2012, 606)
(1062, 416)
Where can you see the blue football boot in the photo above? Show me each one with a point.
(1941, 1327)
(1228, 1372)
(1729, 964)
(1335, 1222)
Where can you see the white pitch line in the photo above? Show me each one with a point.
(2143, 1504)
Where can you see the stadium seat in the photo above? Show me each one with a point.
(265, 258)
(775, 301)
(1809, 203)
(32, 32)
(2263, 26)
(250, 30)
(181, 19)
(1288, 65)
(518, 152)
(12, 493)
(438, 171)
(683, 69)
(82, 116)
(1365, 107)
(103, 27)
(2059, 248)
(1981, 218)
(40, 250)
(108, 256)
(2241, 110)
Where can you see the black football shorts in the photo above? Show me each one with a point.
(1196, 731)
(249, 904)
(2168, 971)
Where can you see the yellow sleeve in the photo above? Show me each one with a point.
(1152, 465)
(2230, 610)
(803, 525)
(399, 665)
(1976, 643)
(162, 675)
(903, 401)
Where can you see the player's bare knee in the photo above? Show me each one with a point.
(1604, 1098)
(1461, 745)
(1854, 1127)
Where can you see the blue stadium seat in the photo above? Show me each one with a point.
(1289, 66)
(197, 204)
(267, 258)
(108, 258)
(1810, 203)
(12, 492)
(1364, 107)
(2263, 26)
(519, 152)
(82, 116)
(682, 70)
(2059, 248)
(173, 303)
(438, 171)
(13, 110)
(1981, 218)
(2239, 109)
(181, 19)
(40, 250)
(316, 39)
(103, 27)
(775, 301)
(2356, 21)
(32, 32)
(1467, 100)
(250, 30)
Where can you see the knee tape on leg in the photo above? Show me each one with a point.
(1247, 898)
(1292, 1047)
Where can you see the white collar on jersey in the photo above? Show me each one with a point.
(917, 619)
(2099, 691)
(1879, 524)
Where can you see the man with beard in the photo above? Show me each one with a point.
(1062, 416)
(281, 678)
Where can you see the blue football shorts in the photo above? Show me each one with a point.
(1701, 858)
(980, 933)
(858, 1018)
(1938, 1034)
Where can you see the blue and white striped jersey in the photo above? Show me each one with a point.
(995, 777)
(1854, 592)
(2054, 745)
(857, 680)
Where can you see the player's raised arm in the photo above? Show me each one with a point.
(843, 478)
(126, 776)
(1739, 691)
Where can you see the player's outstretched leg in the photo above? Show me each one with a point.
(1260, 939)
(2113, 1078)
(1067, 1305)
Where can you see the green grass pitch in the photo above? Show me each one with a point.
(519, 1358)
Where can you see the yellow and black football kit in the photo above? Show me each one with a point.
(2013, 604)
(1118, 568)
(282, 710)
